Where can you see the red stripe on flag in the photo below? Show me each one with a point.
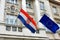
(29, 17)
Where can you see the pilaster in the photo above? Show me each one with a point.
(2, 7)
(42, 31)
(24, 4)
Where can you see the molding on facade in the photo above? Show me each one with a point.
(54, 2)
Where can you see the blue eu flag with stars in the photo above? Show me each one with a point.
(47, 22)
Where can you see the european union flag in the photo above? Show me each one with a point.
(47, 22)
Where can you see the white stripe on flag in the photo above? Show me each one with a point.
(25, 18)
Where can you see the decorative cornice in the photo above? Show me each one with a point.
(55, 2)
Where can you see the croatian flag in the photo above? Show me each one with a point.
(28, 21)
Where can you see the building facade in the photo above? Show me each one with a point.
(11, 27)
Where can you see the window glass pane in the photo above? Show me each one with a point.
(14, 28)
(15, 1)
(37, 31)
(8, 28)
(19, 29)
(11, 19)
(28, 4)
(54, 10)
(41, 5)
(7, 0)
(12, 0)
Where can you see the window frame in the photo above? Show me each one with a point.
(42, 5)
(8, 29)
(13, 2)
(14, 29)
(54, 9)
(37, 31)
(9, 17)
(29, 4)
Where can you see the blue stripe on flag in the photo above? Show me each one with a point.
(46, 21)
(27, 25)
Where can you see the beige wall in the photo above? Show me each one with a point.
(57, 6)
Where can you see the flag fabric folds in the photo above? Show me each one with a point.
(28, 21)
(47, 22)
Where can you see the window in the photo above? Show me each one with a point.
(12, 1)
(42, 5)
(14, 28)
(28, 4)
(54, 9)
(8, 28)
(11, 20)
(37, 31)
(19, 29)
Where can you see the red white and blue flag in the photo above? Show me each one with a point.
(28, 21)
